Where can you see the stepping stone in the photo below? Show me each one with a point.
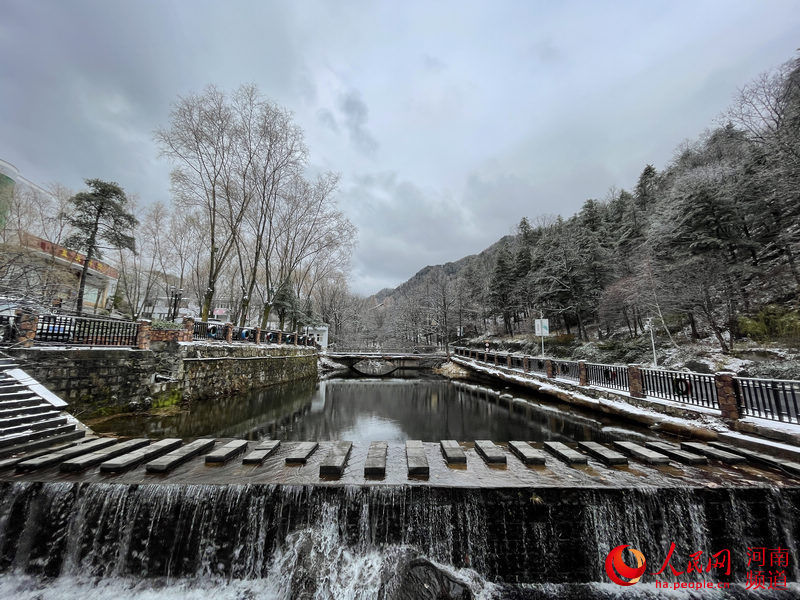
(416, 458)
(750, 455)
(224, 453)
(261, 452)
(375, 465)
(79, 463)
(453, 453)
(47, 445)
(527, 453)
(54, 458)
(137, 457)
(301, 452)
(490, 452)
(169, 461)
(603, 454)
(651, 457)
(792, 467)
(713, 453)
(565, 453)
(675, 453)
(335, 461)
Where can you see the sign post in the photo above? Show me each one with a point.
(542, 328)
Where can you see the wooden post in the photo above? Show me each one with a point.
(726, 395)
(548, 368)
(635, 381)
(143, 335)
(583, 374)
(525, 364)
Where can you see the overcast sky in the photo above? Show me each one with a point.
(448, 121)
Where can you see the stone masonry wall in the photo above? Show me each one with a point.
(103, 381)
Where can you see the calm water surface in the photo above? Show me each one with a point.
(422, 408)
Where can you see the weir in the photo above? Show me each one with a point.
(306, 536)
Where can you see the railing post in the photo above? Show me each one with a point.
(508, 361)
(258, 335)
(26, 326)
(635, 381)
(495, 358)
(143, 335)
(583, 373)
(229, 332)
(548, 368)
(280, 337)
(726, 395)
(525, 364)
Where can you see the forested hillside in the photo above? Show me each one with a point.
(707, 247)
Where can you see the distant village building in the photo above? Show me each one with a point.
(37, 271)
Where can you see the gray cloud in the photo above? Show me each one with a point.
(480, 115)
(355, 113)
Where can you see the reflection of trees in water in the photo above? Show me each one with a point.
(365, 410)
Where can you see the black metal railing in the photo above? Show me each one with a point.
(517, 362)
(608, 376)
(566, 369)
(243, 334)
(769, 398)
(208, 331)
(84, 331)
(7, 334)
(693, 388)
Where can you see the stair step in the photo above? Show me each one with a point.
(20, 419)
(25, 410)
(17, 395)
(13, 451)
(8, 404)
(35, 426)
(21, 438)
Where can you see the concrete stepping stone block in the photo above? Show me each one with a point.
(336, 460)
(166, 463)
(490, 452)
(142, 455)
(79, 463)
(226, 452)
(261, 452)
(675, 453)
(645, 455)
(527, 453)
(375, 465)
(416, 459)
(566, 454)
(453, 452)
(53, 458)
(300, 452)
(603, 454)
(713, 453)
(751, 455)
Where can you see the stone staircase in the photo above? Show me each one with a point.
(31, 417)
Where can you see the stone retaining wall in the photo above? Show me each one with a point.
(102, 381)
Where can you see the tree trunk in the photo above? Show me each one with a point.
(693, 325)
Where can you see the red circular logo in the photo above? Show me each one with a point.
(615, 564)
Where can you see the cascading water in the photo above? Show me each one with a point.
(387, 542)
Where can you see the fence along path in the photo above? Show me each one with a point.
(777, 400)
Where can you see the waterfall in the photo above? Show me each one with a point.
(387, 542)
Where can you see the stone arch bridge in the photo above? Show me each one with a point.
(379, 364)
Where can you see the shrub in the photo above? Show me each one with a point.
(165, 325)
(772, 323)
